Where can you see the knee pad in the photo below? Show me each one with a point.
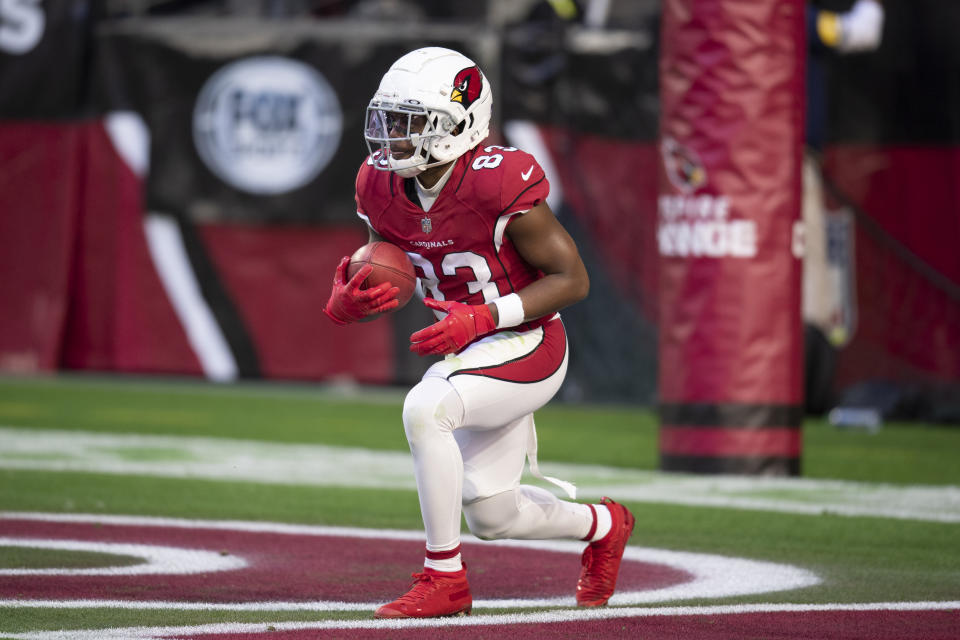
(491, 518)
(431, 406)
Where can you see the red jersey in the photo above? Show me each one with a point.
(460, 248)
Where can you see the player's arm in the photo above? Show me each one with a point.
(546, 245)
(542, 241)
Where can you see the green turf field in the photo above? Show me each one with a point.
(860, 559)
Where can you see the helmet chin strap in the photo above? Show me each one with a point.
(409, 172)
(404, 168)
(412, 171)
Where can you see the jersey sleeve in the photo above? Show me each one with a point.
(364, 194)
(524, 184)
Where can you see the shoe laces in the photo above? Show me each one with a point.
(421, 586)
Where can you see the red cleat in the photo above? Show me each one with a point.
(434, 594)
(601, 559)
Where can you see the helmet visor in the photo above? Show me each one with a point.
(401, 134)
(386, 124)
(398, 132)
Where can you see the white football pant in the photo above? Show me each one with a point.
(469, 423)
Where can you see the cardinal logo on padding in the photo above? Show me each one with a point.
(467, 85)
(684, 168)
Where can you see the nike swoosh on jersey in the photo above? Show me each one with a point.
(526, 174)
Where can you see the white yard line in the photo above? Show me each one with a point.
(320, 465)
(543, 617)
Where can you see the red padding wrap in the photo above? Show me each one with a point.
(721, 441)
(729, 208)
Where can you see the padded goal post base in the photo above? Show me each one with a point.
(730, 236)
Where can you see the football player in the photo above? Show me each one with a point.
(495, 266)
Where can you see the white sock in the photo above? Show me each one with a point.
(443, 559)
(451, 564)
(604, 522)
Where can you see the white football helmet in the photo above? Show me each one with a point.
(432, 106)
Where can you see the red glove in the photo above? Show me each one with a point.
(462, 324)
(349, 303)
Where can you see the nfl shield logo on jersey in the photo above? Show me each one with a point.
(425, 225)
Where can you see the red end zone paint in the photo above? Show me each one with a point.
(810, 625)
(286, 567)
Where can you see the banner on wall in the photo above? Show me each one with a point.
(250, 122)
(254, 133)
(730, 356)
(44, 50)
(255, 136)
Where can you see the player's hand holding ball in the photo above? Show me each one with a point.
(350, 303)
(377, 278)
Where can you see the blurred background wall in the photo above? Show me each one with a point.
(176, 188)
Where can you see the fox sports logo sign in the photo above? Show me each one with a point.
(267, 125)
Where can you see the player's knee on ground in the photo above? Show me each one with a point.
(527, 513)
(492, 518)
(432, 406)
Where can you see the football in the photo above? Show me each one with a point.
(390, 264)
